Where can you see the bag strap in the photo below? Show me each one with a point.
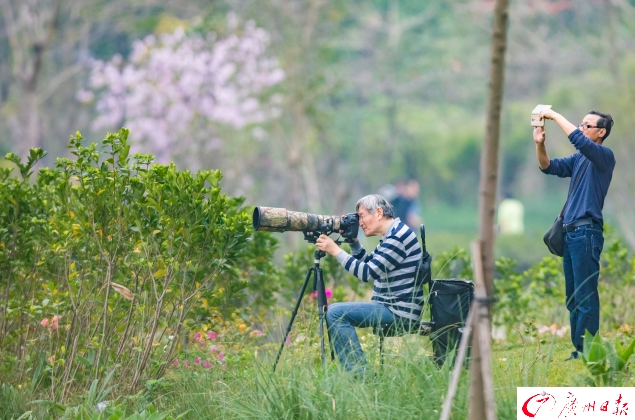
(575, 184)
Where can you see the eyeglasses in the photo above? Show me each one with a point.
(587, 126)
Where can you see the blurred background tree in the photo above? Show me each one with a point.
(373, 92)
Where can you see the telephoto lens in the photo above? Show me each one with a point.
(272, 219)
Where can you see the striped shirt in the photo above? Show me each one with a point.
(392, 268)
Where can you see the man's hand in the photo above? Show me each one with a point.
(328, 245)
(539, 135)
(548, 114)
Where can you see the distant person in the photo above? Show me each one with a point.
(583, 222)
(510, 217)
(406, 203)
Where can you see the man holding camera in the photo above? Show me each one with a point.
(392, 267)
(591, 170)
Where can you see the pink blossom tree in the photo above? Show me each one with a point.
(177, 89)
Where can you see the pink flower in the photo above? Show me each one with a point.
(256, 332)
(213, 349)
(51, 359)
(211, 335)
(198, 360)
(175, 361)
(44, 322)
(54, 324)
(221, 356)
(186, 363)
(553, 329)
(197, 335)
(207, 364)
(328, 292)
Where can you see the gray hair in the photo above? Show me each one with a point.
(374, 201)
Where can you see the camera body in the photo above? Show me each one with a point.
(349, 226)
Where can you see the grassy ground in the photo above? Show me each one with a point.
(407, 386)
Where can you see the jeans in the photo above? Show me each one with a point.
(342, 318)
(581, 262)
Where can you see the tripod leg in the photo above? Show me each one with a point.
(381, 349)
(293, 314)
(322, 308)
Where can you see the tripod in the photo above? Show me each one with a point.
(318, 286)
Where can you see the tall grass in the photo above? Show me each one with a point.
(407, 386)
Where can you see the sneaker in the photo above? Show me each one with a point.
(574, 355)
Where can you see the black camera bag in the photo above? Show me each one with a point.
(450, 301)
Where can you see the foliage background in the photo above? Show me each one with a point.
(335, 100)
(392, 84)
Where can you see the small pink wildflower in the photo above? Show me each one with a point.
(553, 329)
(44, 322)
(207, 364)
(51, 359)
(198, 360)
(255, 333)
(197, 335)
(211, 335)
(213, 349)
(175, 361)
(328, 292)
(54, 324)
(186, 363)
(221, 356)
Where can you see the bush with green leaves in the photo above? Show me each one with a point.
(607, 363)
(108, 261)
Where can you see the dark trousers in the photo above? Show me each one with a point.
(581, 262)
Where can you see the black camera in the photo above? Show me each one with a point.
(273, 219)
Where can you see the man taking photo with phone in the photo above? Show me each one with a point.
(590, 170)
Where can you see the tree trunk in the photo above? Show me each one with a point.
(489, 155)
(479, 407)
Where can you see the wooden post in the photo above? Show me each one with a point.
(458, 364)
(482, 403)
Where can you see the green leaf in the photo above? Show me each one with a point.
(84, 361)
(594, 355)
(626, 353)
(159, 273)
(616, 363)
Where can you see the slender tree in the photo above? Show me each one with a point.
(487, 194)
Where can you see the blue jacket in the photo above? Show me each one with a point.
(588, 198)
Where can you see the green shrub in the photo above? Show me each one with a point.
(108, 261)
(607, 363)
